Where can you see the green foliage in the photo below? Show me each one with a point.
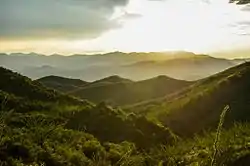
(36, 134)
(61, 83)
(42, 139)
(234, 148)
(109, 124)
(218, 133)
(36, 130)
(23, 87)
(198, 108)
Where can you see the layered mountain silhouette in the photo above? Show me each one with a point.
(118, 91)
(135, 66)
(31, 98)
(42, 125)
(61, 83)
(188, 67)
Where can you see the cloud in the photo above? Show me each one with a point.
(244, 23)
(39, 19)
(246, 8)
(243, 28)
(240, 2)
(128, 16)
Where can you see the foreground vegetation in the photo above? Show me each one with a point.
(40, 126)
(35, 139)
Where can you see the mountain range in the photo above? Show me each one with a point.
(185, 107)
(135, 66)
(199, 106)
(162, 121)
(115, 90)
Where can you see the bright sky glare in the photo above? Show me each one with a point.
(155, 25)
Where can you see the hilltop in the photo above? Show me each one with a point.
(37, 97)
(198, 108)
(38, 125)
(119, 91)
(21, 87)
(61, 83)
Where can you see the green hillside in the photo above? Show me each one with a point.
(127, 92)
(41, 126)
(21, 86)
(113, 125)
(61, 83)
(61, 130)
(198, 107)
(22, 94)
(111, 80)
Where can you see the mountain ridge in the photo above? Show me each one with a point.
(199, 107)
(120, 91)
(179, 65)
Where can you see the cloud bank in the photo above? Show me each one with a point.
(39, 19)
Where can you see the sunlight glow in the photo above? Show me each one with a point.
(161, 25)
(192, 25)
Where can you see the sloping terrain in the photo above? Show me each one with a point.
(21, 86)
(100, 135)
(121, 91)
(61, 83)
(113, 125)
(198, 107)
(27, 97)
(111, 80)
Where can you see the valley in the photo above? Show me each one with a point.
(103, 121)
(124, 83)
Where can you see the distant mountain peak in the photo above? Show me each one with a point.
(113, 79)
(63, 83)
(21, 86)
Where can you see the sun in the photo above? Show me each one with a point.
(194, 25)
(160, 25)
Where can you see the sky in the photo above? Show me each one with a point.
(94, 26)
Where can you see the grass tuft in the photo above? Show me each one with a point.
(218, 134)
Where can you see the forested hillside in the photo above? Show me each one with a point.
(118, 91)
(61, 83)
(43, 126)
(198, 107)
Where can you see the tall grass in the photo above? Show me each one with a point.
(218, 134)
(4, 117)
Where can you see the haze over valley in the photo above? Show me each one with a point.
(135, 66)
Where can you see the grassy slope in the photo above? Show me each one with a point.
(199, 106)
(233, 149)
(77, 114)
(21, 86)
(42, 138)
(22, 94)
(128, 92)
(61, 83)
(113, 125)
